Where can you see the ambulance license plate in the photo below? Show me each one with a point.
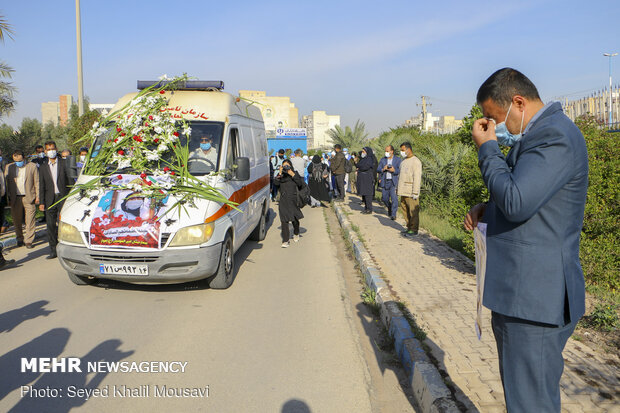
(123, 269)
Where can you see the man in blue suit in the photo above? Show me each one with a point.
(534, 284)
(388, 169)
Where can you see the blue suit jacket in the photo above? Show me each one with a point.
(534, 217)
(395, 163)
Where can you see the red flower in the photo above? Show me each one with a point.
(150, 117)
(143, 175)
(119, 177)
(121, 152)
(166, 169)
(118, 129)
(149, 183)
(109, 141)
(176, 134)
(115, 140)
(155, 140)
(146, 124)
(161, 92)
(122, 133)
(172, 173)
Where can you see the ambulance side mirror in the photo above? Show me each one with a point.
(242, 169)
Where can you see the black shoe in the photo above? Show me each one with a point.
(411, 234)
(6, 263)
(392, 218)
(29, 246)
(51, 256)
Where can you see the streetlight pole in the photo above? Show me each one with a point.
(78, 29)
(610, 55)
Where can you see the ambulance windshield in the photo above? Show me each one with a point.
(204, 148)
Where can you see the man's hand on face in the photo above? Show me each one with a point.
(483, 131)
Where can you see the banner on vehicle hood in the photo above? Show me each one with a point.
(126, 217)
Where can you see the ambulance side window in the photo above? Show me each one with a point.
(232, 151)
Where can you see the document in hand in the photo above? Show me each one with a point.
(480, 242)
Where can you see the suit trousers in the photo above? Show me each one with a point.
(389, 198)
(340, 185)
(530, 362)
(51, 219)
(411, 211)
(23, 213)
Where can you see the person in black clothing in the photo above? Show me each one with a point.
(366, 172)
(288, 181)
(39, 155)
(4, 263)
(55, 179)
(3, 199)
(318, 173)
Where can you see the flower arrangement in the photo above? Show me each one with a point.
(143, 137)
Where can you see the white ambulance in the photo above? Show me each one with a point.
(202, 241)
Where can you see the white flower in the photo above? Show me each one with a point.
(136, 130)
(124, 163)
(187, 131)
(162, 147)
(158, 129)
(95, 125)
(164, 77)
(152, 155)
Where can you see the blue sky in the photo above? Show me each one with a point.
(360, 59)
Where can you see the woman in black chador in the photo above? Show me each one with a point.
(318, 173)
(288, 181)
(366, 168)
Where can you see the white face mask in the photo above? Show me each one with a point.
(333, 153)
(82, 158)
(387, 154)
(51, 154)
(363, 155)
(403, 154)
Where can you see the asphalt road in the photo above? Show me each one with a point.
(281, 339)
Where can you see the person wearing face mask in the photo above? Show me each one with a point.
(22, 181)
(82, 158)
(276, 163)
(409, 182)
(39, 155)
(388, 169)
(55, 179)
(534, 284)
(366, 178)
(337, 166)
(203, 158)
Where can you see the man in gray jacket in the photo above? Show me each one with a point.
(337, 166)
(534, 284)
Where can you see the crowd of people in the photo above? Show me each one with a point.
(329, 176)
(41, 179)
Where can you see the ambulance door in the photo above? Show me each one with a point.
(238, 188)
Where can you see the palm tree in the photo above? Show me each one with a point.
(7, 90)
(353, 139)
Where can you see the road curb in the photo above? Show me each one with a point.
(11, 241)
(430, 391)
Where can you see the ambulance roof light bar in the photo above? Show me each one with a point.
(187, 85)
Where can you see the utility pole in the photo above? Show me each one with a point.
(610, 55)
(424, 112)
(78, 29)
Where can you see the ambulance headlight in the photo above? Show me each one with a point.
(69, 233)
(194, 235)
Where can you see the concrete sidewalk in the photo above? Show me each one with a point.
(438, 285)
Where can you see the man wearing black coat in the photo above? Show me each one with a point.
(55, 179)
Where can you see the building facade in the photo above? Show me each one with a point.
(596, 105)
(57, 112)
(278, 111)
(317, 124)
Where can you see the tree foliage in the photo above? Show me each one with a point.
(7, 90)
(353, 139)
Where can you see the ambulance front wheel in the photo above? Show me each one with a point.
(80, 280)
(224, 276)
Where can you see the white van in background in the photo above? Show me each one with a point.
(201, 242)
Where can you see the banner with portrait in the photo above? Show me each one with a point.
(127, 218)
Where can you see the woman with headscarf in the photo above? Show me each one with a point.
(288, 182)
(366, 178)
(318, 173)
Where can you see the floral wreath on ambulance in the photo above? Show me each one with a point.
(144, 137)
